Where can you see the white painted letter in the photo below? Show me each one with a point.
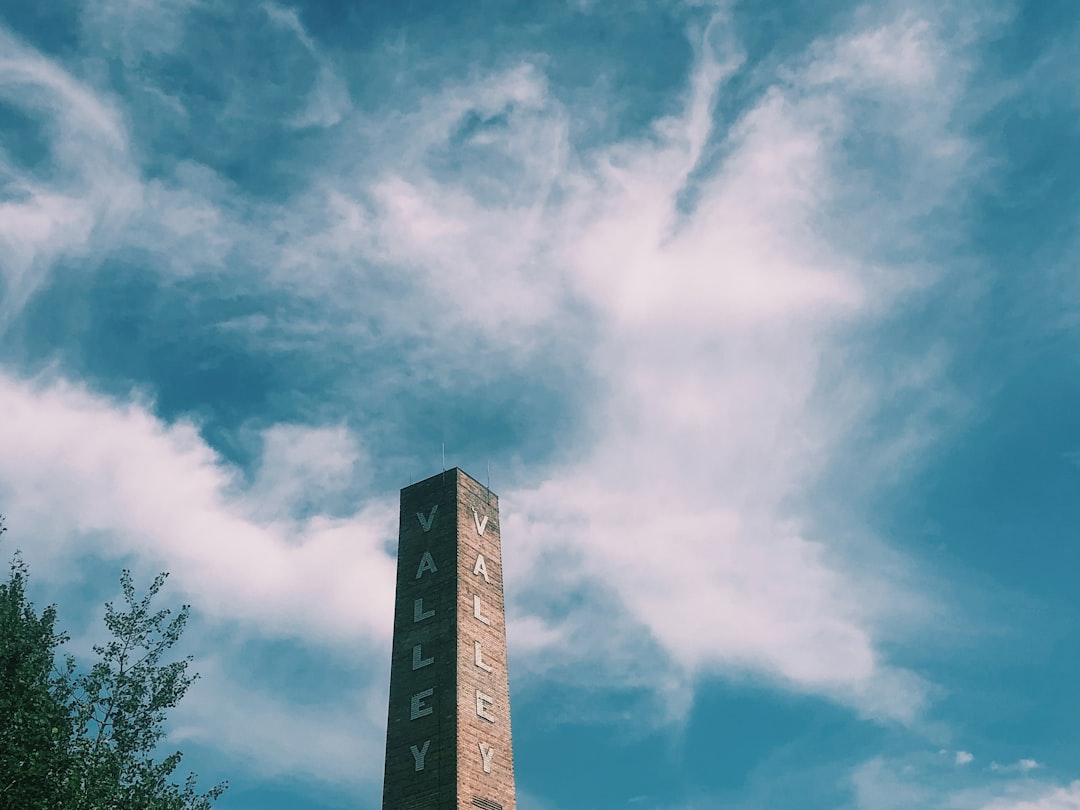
(425, 523)
(483, 706)
(478, 657)
(480, 524)
(418, 660)
(418, 612)
(419, 754)
(486, 753)
(479, 568)
(419, 708)
(476, 610)
(426, 564)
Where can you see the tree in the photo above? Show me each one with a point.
(87, 740)
(35, 722)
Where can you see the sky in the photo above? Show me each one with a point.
(758, 316)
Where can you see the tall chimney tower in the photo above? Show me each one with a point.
(448, 743)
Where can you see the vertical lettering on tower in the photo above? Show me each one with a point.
(483, 696)
(420, 723)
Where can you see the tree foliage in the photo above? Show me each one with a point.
(35, 721)
(87, 739)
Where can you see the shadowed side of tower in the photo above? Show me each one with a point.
(448, 743)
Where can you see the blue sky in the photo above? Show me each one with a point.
(764, 317)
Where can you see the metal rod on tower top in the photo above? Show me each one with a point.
(444, 456)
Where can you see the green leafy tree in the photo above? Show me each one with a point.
(89, 741)
(35, 721)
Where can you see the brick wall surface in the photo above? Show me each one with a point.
(483, 731)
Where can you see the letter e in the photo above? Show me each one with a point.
(420, 709)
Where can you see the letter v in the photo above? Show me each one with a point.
(480, 524)
(425, 523)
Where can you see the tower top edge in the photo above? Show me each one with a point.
(452, 471)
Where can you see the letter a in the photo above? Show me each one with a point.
(427, 564)
(420, 753)
(479, 568)
(425, 523)
(480, 524)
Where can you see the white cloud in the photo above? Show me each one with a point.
(1047, 798)
(904, 53)
(917, 782)
(338, 739)
(711, 276)
(135, 29)
(89, 189)
(328, 100)
(160, 493)
(1021, 766)
(715, 324)
(878, 786)
(84, 476)
(964, 757)
(307, 470)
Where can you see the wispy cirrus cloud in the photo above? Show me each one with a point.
(74, 200)
(328, 101)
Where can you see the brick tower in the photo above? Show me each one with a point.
(448, 731)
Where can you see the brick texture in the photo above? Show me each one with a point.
(449, 748)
